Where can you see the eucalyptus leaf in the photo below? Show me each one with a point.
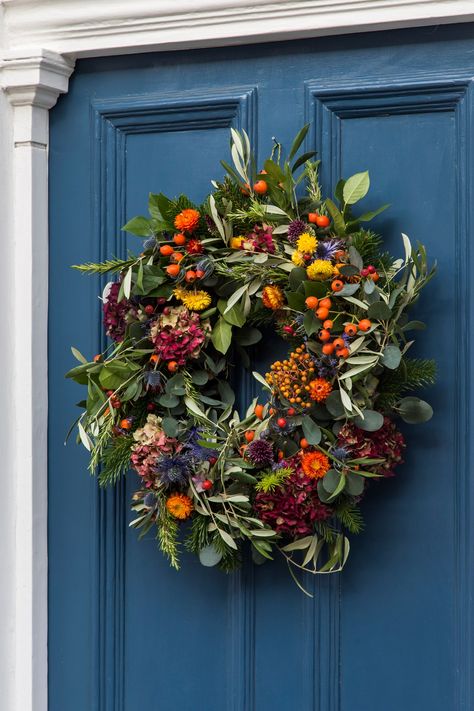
(354, 484)
(311, 430)
(209, 556)
(414, 411)
(370, 422)
(391, 356)
(379, 311)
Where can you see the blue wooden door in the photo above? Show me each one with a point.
(393, 631)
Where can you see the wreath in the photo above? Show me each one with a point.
(265, 253)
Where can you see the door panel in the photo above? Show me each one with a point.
(392, 631)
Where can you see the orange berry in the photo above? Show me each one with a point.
(304, 444)
(166, 250)
(337, 285)
(258, 412)
(176, 257)
(322, 221)
(281, 455)
(271, 411)
(322, 313)
(154, 358)
(328, 323)
(249, 435)
(324, 335)
(107, 411)
(199, 274)
(172, 270)
(311, 302)
(97, 358)
(179, 239)
(172, 366)
(350, 329)
(374, 277)
(326, 302)
(339, 343)
(342, 353)
(245, 189)
(260, 187)
(364, 325)
(313, 217)
(328, 348)
(190, 276)
(125, 424)
(340, 254)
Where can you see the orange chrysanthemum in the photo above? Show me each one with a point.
(187, 220)
(179, 506)
(272, 297)
(319, 389)
(315, 464)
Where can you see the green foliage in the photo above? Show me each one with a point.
(231, 559)
(369, 245)
(198, 536)
(350, 517)
(167, 535)
(110, 265)
(115, 460)
(413, 373)
(271, 480)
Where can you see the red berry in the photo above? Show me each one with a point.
(291, 411)
(281, 422)
(364, 272)
(150, 407)
(371, 269)
(206, 484)
(149, 309)
(212, 461)
(289, 330)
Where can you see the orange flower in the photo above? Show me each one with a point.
(272, 297)
(179, 506)
(319, 389)
(187, 220)
(315, 464)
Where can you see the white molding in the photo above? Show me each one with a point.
(38, 41)
(88, 28)
(32, 85)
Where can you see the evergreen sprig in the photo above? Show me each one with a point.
(110, 265)
(115, 460)
(350, 517)
(167, 535)
(412, 373)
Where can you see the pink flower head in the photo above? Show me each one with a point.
(386, 443)
(179, 334)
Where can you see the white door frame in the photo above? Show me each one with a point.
(39, 41)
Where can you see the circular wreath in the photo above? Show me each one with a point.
(264, 251)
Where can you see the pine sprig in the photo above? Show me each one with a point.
(167, 535)
(413, 373)
(273, 479)
(198, 537)
(350, 517)
(110, 265)
(231, 559)
(115, 460)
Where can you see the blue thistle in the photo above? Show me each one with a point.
(149, 243)
(340, 453)
(153, 379)
(173, 470)
(327, 249)
(150, 500)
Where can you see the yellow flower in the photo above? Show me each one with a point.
(320, 270)
(307, 243)
(179, 506)
(236, 242)
(193, 300)
(297, 258)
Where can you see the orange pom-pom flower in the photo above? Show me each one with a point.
(272, 297)
(319, 389)
(187, 220)
(315, 464)
(179, 506)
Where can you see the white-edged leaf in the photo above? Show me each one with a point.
(281, 230)
(216, 217)
(355, 371)
(355, 345)
(407, 246)
(299, 545)
(127, 283)
(346, 401)
(235, 297)
(85, 439)
(261, 379)
(274, 210)
(358, 303)
(78, 355)
(227, 538)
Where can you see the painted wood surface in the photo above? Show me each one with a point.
(393, 631)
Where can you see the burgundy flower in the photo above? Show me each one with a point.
(262, 239)
(294, 508)
(295, 229)
(178, 334)
(260, 452)
(386, 443)
(115, 313)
